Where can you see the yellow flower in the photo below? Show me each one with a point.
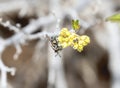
(75, 45)
(60, 39)
(86, 39)
(80, 48)
(64, 32)
(64, 45)
(83, 41)
(67, 38)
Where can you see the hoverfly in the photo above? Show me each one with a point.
(54, 44)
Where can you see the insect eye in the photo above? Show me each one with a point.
(52, 38)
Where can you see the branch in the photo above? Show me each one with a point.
(23, 8)
(10, 27)
(4, 69)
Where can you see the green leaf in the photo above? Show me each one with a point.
(114, 18)
(75, 24)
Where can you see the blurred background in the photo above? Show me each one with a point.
(97, 66)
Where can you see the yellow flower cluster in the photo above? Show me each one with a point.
(67, 38)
